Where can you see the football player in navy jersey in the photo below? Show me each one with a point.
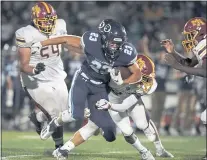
(105, 49)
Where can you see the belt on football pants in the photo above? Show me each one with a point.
(88, 79)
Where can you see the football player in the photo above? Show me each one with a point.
(42, 73)
(125, 101)
(195, 41)
(104, 50)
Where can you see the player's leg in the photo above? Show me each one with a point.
(140, 116)
(62, 99)
(101, 119)
(77, 97)
(82, 135)
(123, 123)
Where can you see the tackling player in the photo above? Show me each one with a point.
(103, 50)
(195, 41)
(42, 73)
(125, 101)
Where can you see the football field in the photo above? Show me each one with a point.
(28, 146)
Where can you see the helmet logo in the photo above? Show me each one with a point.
(197, 22)
(141, 63)
(102, 24)
(36, 10)
(107, 28)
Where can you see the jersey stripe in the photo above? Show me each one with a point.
(46, 6)
(203, 48)
(20, 40)
(203, 53)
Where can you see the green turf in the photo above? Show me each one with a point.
(28, 146)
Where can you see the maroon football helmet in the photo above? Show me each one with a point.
(44, 17)
(147, 68)
(194, 31)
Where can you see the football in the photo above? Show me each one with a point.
(125, 72)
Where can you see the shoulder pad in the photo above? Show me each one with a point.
(61, 27)
(129, 53)
(24, 36)
(90, 40)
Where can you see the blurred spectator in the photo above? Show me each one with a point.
(162, 73)
(183, 118)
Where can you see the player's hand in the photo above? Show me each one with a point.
(168, 45)
(170, 60)
(189, 78)
(36, 47)
(103, 104)
(39, 68)
(116, 76)
(87, 113)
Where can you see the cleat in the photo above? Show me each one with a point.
(60, 154)
(34, 120)
(164, 153)
(48, 130)
(147, 155)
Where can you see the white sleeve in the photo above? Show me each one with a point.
(21, 39)
(62, 26)
(125, 105)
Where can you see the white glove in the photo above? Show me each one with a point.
(103, 104)
(87, 113)
(116, 76)
(36, 47)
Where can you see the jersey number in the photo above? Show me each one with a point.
(101, 68)
(44, 52)
(93, 37)
(128, 50)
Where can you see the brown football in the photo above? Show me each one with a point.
(125, 72)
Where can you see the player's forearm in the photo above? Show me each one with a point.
(134, 78)
(184, 60)
(192, 71)
(26, 68)
(69, 40)
(125, 105)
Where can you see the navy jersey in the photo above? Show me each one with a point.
(96, 65)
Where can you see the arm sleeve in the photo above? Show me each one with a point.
(125, 105)
(21, 39)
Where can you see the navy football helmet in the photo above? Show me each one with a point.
(113, 37)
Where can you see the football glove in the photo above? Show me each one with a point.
(103, 104)
(189, 78)
(36, 47)
(87, 113)
(116, 76)
(39, 68)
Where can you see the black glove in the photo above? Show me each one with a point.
(39, 68)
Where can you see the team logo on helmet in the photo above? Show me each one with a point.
(102, 24)
(141, 63)
(107, 28)
(197, 22)
(36, 10)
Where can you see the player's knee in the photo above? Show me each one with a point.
(142, 124)
(88, 130)
(203, 117)
(109, 135)
(67, 116)
(131, 139)
(127, 131)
